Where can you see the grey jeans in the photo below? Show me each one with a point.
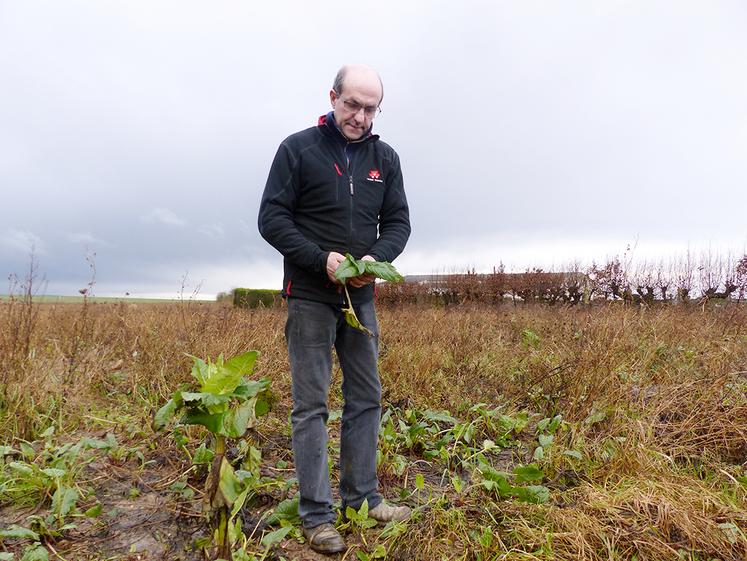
(311, 331)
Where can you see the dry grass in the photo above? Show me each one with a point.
(659, 478)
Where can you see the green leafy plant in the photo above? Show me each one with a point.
(227, 405)
(351, 268)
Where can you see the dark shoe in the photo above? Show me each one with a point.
(384, 512)
(324, 538)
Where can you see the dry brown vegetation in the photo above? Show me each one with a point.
(654, 399)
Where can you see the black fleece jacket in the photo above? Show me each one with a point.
(326, 194)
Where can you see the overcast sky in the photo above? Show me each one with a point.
(531, 133)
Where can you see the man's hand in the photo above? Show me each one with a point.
(362, 280)
(333, 261)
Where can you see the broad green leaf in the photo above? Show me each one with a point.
(54, 473)
(383, 270)
(352, 319)
(346, 270)
(555, 423)
(287, 511)
(596, 417)
(238, 503)
(35, 553)
(528, 473)
(242, 364)
(221, 380)
(539, 453)
(488, 444)
(164, 414)
(262, 406)
(203, 455)
(21, 467)
(63, 501)
(250, 388)
(393, 529)
(212, 422)
(573, 454)
(5, 556)
(199, 369)
(228, 483)
(545, 440)
(19, 532)
(363, 510)
(5, 450)
(27, 451)
(234, 530)
(276, 536)
(214, 403)
(47, 433)
(419, 481)
(94, 511)
(532, 494)
(439, 417)
(238, 419)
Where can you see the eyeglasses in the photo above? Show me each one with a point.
(353, 107)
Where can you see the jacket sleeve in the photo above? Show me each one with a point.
(394, 218)
(276, 224)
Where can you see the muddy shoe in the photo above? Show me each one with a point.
(386, 513)
(324, 538)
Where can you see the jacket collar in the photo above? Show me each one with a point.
(328, 124)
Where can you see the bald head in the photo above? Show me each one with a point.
(355, 98)
(358, 75)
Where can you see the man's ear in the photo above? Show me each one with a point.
(333, 97)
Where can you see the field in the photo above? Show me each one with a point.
(521, 432)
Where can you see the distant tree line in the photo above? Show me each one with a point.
(684, 280)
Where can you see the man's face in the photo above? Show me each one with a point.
(355, 107)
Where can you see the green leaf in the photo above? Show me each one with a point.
(21, 467)
(238, 503)
(545, 440)
(276, 536)
(539, 453)
(242, 364)
(439, 417)
(536, 494)
(219, 379)
(27, 451)
(528, 473)
(48, 432)
(35, 553)
(63, 501)
(228, 483)
(383, 270)
(5, 556)
(352, 319)
(212, 422)
(286, 511)
(234, 531)
(94, 511)
(19, 532)
(362, 555)
(574, 454)
(347, 269)
(238, 419)
(199, 369)
(54, 473)
(203, 455)
(5, 450)
(250, 388)
(419, 481)
(262, 406)
(164, 414)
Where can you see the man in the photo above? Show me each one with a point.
(335, 189)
